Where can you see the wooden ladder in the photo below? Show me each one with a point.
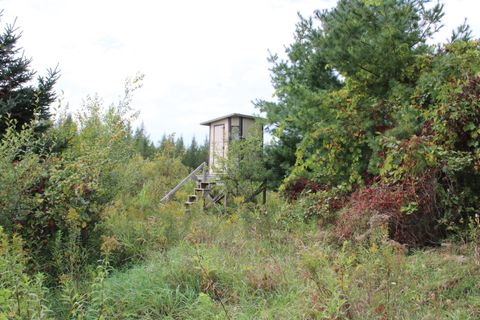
(202, 190)
(191, 176)
(204, 185)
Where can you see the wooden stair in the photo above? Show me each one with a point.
(202, 191)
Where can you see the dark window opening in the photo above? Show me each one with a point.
(235, 133)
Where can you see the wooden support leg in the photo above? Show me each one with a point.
(264, 196)
(225, 203)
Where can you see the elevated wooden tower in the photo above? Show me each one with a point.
(222, 131)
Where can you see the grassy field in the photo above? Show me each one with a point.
(262, 263)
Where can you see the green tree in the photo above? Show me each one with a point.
(245, 165)
(143, 144)
(20, 100)
(398, 115)
(167, 145)
(195, 154)
(179, 147)
(376, 42)
(203, 151)
(345, 73)
(297, 80)
(191, 159)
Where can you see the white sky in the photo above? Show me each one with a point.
(201, 59)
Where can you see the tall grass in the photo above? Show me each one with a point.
(250, 265)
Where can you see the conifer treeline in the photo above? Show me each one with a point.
(192, 155)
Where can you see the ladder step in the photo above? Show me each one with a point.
(189, 203)
(205, 185)
(201, 189)
(192, 198)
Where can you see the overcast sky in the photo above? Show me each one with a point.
(201, 59)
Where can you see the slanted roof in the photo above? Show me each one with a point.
(207, 123)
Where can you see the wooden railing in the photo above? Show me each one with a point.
(192, 175)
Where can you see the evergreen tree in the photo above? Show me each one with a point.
(191, 155)
(162, 142)
(19, 99)
(376, 42)
(203, 151)
(179, 147)
(167, 145)
(142, 142)
(195, 154)
(345, 74)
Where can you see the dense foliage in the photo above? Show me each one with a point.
(364, 100)
(244, 168)
(55, 199)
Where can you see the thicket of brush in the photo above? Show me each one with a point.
(263, 263)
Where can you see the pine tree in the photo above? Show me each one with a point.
(203, 151)
(167, 145)
(162, 142)
(342, 78)
(190, 158)
(142, 142)
(19, 99)
(179, 147)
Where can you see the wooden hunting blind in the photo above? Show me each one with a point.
(222, 130)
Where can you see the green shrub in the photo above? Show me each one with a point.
(244, 168)
(55, 185)
(135, 232)
(22, 296)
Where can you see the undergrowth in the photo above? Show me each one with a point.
(254, 265)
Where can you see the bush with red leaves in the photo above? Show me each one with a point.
(408, 208)
(294, 189)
